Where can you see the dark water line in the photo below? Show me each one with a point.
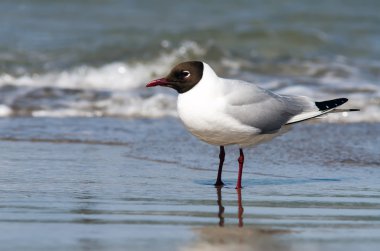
(65, 141)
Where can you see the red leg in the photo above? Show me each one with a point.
(241, 162)
(219, 181)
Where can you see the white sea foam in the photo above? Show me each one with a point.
(123, 81)
(5, 111)
(113, 76)
(117, 89)
(158, 105)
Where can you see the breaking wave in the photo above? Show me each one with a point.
(118, 88)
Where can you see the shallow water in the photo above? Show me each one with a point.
(102, 184)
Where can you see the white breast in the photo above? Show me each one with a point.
(202, 111)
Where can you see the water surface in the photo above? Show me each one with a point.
(88, 188)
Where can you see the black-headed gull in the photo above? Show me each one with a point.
(227, 112)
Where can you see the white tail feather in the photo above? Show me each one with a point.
(316, 114)
(306, 116)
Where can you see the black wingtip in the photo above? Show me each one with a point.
(330, 104)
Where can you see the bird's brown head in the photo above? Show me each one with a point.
(183, 77)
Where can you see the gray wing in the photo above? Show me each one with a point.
(260, 108)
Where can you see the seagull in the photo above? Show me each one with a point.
(226, 112)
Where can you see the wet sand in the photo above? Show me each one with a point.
(113, 184)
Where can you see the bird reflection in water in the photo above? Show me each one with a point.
(240, 208)
(221, 207)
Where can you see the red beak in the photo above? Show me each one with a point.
(161, 82)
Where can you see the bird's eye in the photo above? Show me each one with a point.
(185, 74)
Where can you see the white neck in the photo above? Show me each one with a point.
(206, 86)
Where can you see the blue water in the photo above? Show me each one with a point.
(65, 33)
(113, 184)
(93, 58)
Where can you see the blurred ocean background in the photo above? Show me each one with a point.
(90, 159)
(93, 58)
